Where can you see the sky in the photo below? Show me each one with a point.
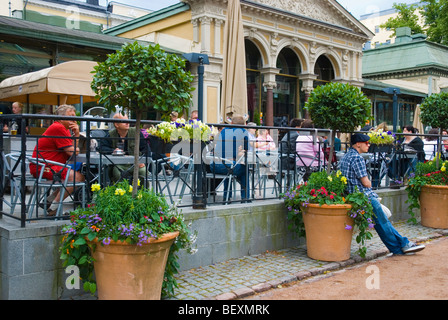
(355, 7)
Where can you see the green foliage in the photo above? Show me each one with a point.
(426, 173)
(115, 215)
(141, 78)
(322, 188)
(338, 106)
(434, 110)
(435, 15)
(406, 18)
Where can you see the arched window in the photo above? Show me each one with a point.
(287, 92)
(324, 71)
(254, 81)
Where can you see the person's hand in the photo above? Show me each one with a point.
(74, 127)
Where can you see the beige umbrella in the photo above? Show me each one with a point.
(64, 83)
(234, 88)
(417, 121)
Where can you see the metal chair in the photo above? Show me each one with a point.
(43, 187)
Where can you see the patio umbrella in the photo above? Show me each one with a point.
(417, 121)
(234, 88)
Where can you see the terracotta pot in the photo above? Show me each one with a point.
(130, 272)
(326, 236)
(434, 206)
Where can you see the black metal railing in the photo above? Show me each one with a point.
(222, 170)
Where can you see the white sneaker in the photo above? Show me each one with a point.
(412, 247)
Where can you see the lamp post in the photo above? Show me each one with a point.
(395, 92)
(199, 201)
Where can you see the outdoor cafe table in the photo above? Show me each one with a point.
(102, 161)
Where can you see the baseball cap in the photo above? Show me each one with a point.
(359, 137)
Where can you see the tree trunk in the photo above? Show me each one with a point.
(330, 156)
(136, 153)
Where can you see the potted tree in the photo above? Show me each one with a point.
(137, 78)
(320, 208)
(128, 240)
(142, 78)
(428, 187)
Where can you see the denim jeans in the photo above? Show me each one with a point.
(239, 171)
(386, 231)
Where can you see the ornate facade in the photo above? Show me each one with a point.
(291, 46)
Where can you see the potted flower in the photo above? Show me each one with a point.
(322, 211)
(428, 188)
(130, 242)
(428, 191)
(164, 135)
(381, 141)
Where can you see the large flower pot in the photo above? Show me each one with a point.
(327, 238)
(434, 206)
(130, 272)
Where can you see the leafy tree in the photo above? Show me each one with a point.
(435, 13)
(140, 78)
(339, 107)
(406, 18)
(434, 112)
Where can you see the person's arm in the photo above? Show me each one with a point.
(366, 182)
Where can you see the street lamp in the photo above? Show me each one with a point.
(199, 197)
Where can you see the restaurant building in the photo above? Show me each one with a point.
(291, 47)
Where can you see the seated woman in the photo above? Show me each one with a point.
(309, 153)
(411, 145)
(264, 141)
(430, 144)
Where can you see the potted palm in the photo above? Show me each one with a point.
(428, 187)
(323, 212)
(130, 242)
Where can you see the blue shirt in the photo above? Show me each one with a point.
(229, 141)
(353, 167)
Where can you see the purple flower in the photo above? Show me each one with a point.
(348, 227)
(106, 241)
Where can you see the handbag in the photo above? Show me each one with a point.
(386, 210)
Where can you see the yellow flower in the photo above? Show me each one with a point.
(130, 188)
(119, 191)
(443, 169)
(330, 178)
(338, 173)
(344, 180)
(138, 182)
(96, 187)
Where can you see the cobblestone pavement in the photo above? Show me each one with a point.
(238, 278)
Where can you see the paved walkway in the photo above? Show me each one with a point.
(238, 278)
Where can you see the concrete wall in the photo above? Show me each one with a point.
(29, 258)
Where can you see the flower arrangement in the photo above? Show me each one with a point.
(381, 137)
(322, 188)
(181, 128)
(426, 173)
(115, 215)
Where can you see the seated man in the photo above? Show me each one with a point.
(58, 150)
(230, 146)
(353, 167)
(123, 136)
